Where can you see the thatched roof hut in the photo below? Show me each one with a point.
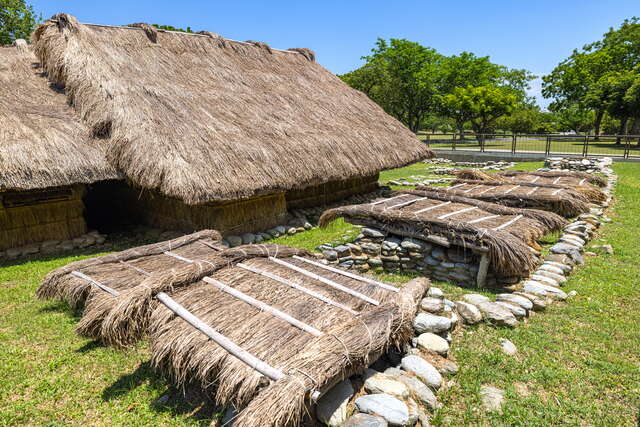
(42, 141)
(584, 183)
(504, 234)
(202, 119)
(46, 153)
(559, 199)
(267, 325)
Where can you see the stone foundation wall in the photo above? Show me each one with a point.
(377, 250)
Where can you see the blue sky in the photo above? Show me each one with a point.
(535, 35)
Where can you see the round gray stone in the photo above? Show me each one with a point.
(424, 370)
(425, 322)
(365, 420)
(393, 410)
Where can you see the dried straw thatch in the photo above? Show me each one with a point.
(42, 141)
(118, 270)
(578, 181)
(203, 119)
(561, 200)
(434, 215)
(334, 332)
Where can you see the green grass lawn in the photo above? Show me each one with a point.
(578, 363)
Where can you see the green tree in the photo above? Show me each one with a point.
(402, 77)
(171, 28)
(481, 105)
(575, 119)
(17, 20)
(573, 82)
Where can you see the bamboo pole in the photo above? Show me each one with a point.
(533, 191)
(508, 223)
(95, 282)
(387, 199)
(486, 190)
(176, 256)
(458, 212)
(511, 189)
(134, 268)
(410, 202)
(296, 286)
(348, 274)
(484, 218)
(263, 306)
(224, 342)
(439, 205)
(326, 281)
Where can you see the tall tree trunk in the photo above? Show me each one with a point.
(460, 126)
(597, 123)
(622, 130)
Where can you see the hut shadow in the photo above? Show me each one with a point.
(61, 306)
(89, 346)
(193, 400)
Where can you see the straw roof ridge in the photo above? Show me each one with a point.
(42, 141)
(202, 122)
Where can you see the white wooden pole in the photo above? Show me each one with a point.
(296, 286)
(326, 281)
(484, 218)
(95, 282)
(482, 271)
(264, 307)
(508, 223)
(224, 342)
(176, 256)
(432, 207)
(349, 274)
(457, 212)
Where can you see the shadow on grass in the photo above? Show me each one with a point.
(61, 306)
(89, 346)
(192, 400)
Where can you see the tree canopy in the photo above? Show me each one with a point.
(17, 20)
(421, 87)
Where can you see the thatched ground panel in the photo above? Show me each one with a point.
(439, 217)
(586, 185)
(348, 341)
(561, 200)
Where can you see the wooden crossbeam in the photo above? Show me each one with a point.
(557, 180)
(263, 306)
(535, 178)
(387, 199)
(210, 245)
(410, 202)
(556, 191)
(456, 186)
(325, 281)
(485, 191)
(472, 188)
(511, 189)
(484, 218)
(296, 286)
(95, 282)
(533, 191)
(349, 274)
(582, 181)
(508, 223)
(134, 268)
(432, 207)
(224, 342)
(457, 212)
(176, 256)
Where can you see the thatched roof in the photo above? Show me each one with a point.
(432, 215)
(202, 118)
(559, 199)
(331, 333)
(120, 271)
(581, 182)
(42, 141)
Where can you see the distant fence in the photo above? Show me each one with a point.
(624, 146)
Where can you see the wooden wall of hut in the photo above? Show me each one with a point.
(33, 216)
(324, 194)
